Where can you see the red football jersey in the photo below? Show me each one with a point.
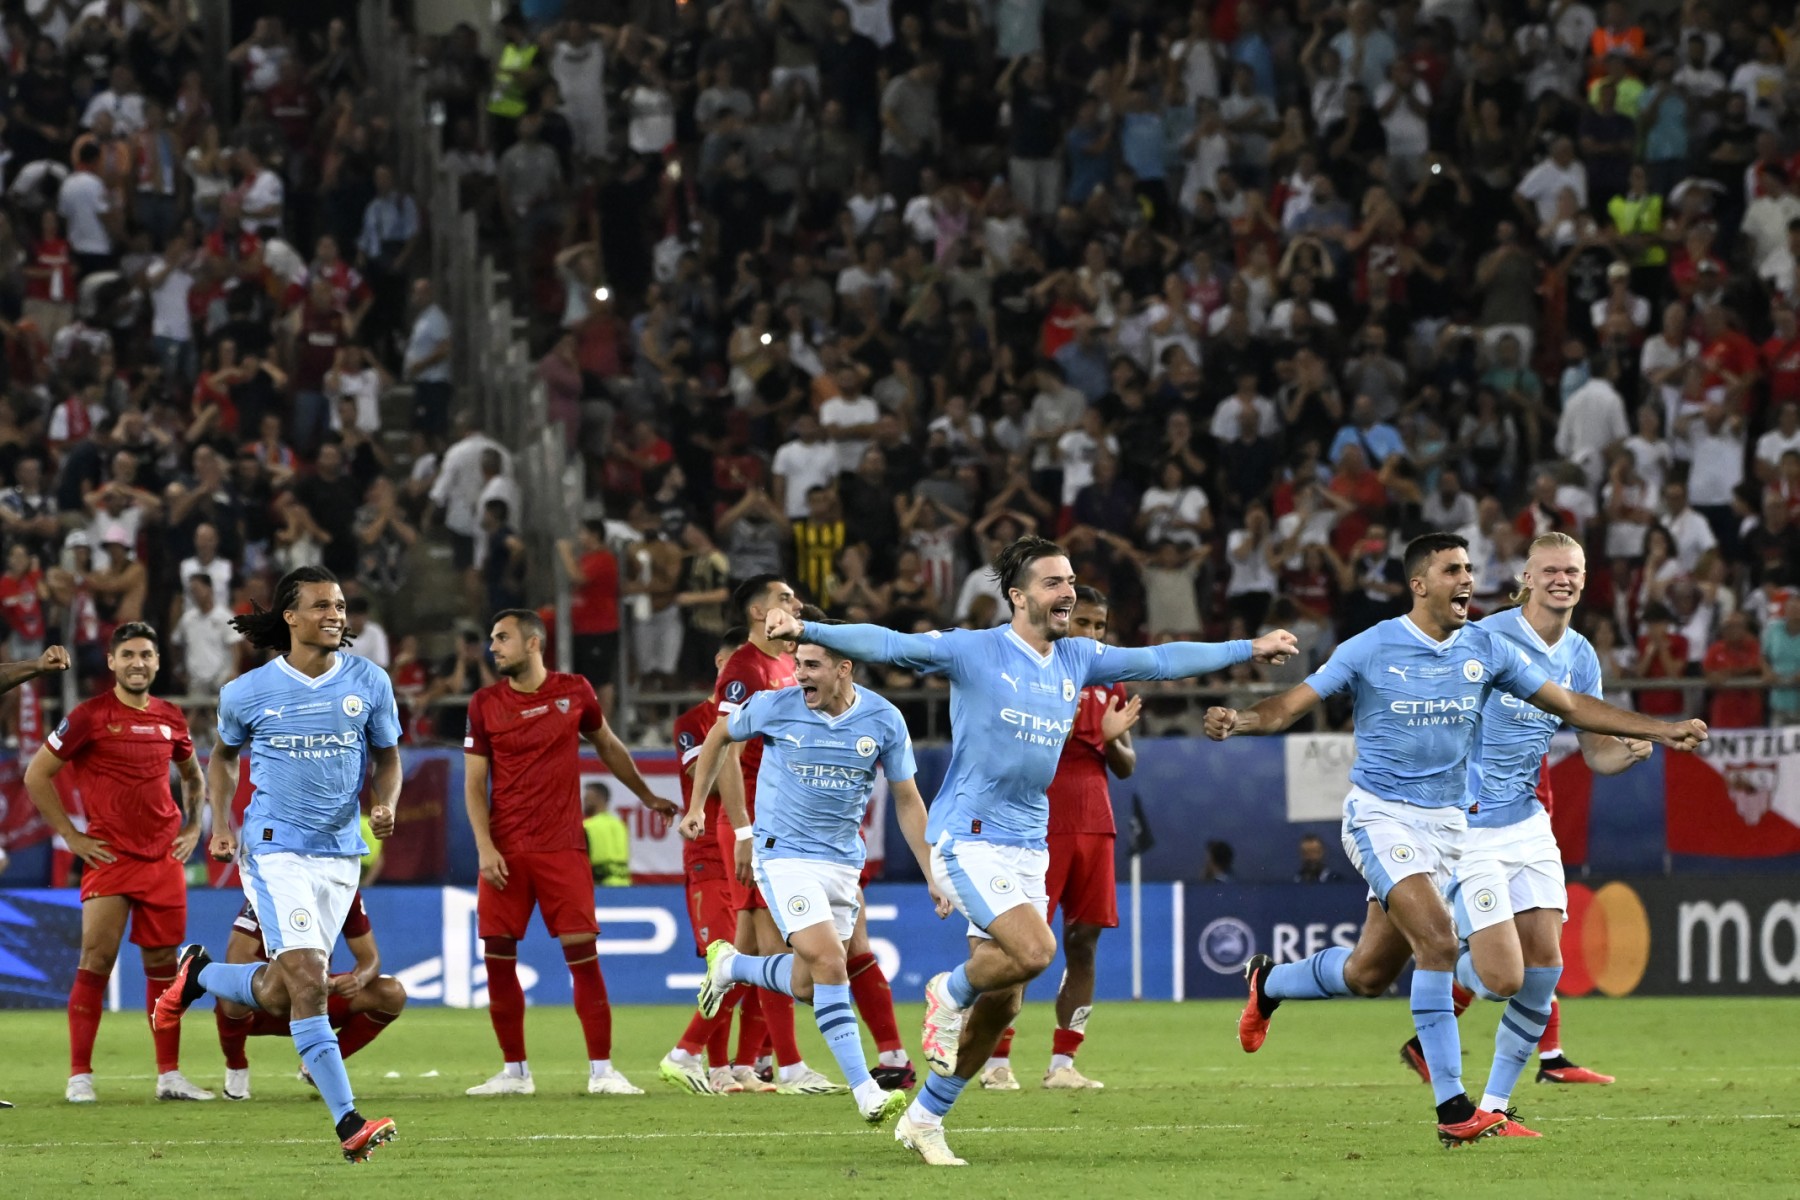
(532, 741)
(1080, 801)
(356, 924)
(21, 606)
(691, 728)
(747, 672)
(121, 758)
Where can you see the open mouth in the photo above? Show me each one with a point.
(809, 692)
(1459, 604)
(1561, 593)
(1062, 612)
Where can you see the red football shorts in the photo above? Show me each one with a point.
(157, 889)
(559, 883)
(742, 897)
(1081, 880)
(711, 913)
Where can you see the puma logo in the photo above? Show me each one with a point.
(1010, 679)
(1400, 671)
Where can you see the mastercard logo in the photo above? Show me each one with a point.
(1606, 941)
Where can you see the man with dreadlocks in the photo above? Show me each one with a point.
(314, 718)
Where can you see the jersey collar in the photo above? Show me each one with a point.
(855, 703)
(337, 664)
(1042, 660)
(1536, 638)
(1406, 621)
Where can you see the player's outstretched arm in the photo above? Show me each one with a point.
(1607, 755)
(1187, 660)
(221, 786)
(1597, 716)
(617, 758)
(867, 643)
(1274, 715)
(909, 811)
(52, 660)
(39, 777)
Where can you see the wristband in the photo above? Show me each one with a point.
(746, 833)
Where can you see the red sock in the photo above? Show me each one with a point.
(778, 1018)
(1460, 998)
(167, 1041)
(87, 1000)
(1066, 1041)
(361, 1029)
(264, 1024)
(337, 1010)
(233, 1033)
(590, 998)
(1552, 1039)
(506, 999)
(702, 1034)
(1003, 1047)
(718, 1043)
(694, 1037)
(751, 1030)
(874, 1002)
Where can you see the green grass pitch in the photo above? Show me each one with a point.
(1707, 1104)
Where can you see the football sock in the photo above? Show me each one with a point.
(694, 1037)
(318, 1049)
(774, 973)
(938, 1095)
(233, 1033)
(1521, 1026)
(599, 1066)
(1436, 1023)
(1320, 977)
(1065, 1042)
(235, 982)
(1471, 979)
(837, 1025)
(1550, 1045)
(752, 1029)
(591, 1005)
(506, 999)
(1461, 997)
(87, 1001)
(1003, 1047)
(778, 1019)
(167, 1041)
(361, 1029)
(874, 1001)
(962, 992)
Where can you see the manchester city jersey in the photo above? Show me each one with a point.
(1418, 705)
(308, 741)
(818, 771)
(1515, 736)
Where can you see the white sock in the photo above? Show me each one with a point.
(1060, 1061)
(599, 1066)
(519, 1070)
(892, 1058)
(1553, 1052)
(996, 1063)
(764, 1063)
(792, 1071)
(681, 1056)
(918, 1114)
(1493, 1103)
(868, 1094)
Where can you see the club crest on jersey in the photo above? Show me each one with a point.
(1485, 901)
(165, 731)
(1472, 671)
(797, 906)
(353, 706)
(734, 691)
(562, 705)
(300, 920)
(1001, 885)
(1401, 854)
(1068, 690)
(865, 746)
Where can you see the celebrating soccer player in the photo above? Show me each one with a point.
(824, 738)
(363, 1001)
(314, 719)
(1508, 896)
(525, 734)
(120, 744)
(1420, 683)
(1080, 880)
(1013, 698)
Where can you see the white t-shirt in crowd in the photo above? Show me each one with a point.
(805, 466)
(82, 202)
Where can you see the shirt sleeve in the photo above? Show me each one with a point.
(939, 650)
(234, 730)
(1513, 671)
(1172, 660)
(687, 746)
(182, 737)
(1587, 674)
(897, 751)
(384, 714)
(592, 718)
(748, 719)
(68, 738)
(475, 741)
(1342, 668)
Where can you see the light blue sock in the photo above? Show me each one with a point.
(940, 1093)
(1521, 1025)
(959, 987)
(1320, 977)
(1435, 1019)
(837, 1023)
(774, 972)
(235, 982)
(1470, 979)
(318, 1049)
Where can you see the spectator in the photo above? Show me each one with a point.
(370, 636)
(608, 841)
(385, 539)
(426, 364)
(1732, 662)
(1662, 654)
(456, 493)
(1313, 867)
(1378, 440)
(85, 205)
(1781, 651)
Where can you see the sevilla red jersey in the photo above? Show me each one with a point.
(356, 924)
(1080, 801)
(747, 672)
(21, 607)
(121, 756)
(691, 728)
(532, 741)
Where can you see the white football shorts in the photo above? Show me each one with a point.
(1388, 841)
(1505, 871)
(985, 879)
(803, 892)
(301, 900)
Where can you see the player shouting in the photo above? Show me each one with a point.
(120, 745)
(824, 738)
(525, 734)
(1080, 881)
(1420, 684)
(1013, 699)
(363, 1001)
(315, 719)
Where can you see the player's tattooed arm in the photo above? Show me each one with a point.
(1273, 715)
(617, 758)
(386, 794)
(193, 800)
(221, 781)
(52, 660)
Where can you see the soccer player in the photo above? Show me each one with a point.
(363, 1001)
(1080, 881)
(1013, 698)
(709, 897)
(1508, 896)
(1420, 683)
(525, 734)
(120, 745)
(824, 738)
(315, 719)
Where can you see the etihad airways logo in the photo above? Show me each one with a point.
(1035, 723)
(1428, 708)
(326, 743)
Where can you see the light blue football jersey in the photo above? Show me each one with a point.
(1011, 709)
(818, 772)
(1515, 736)
(1419, 704)
(308, 741)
